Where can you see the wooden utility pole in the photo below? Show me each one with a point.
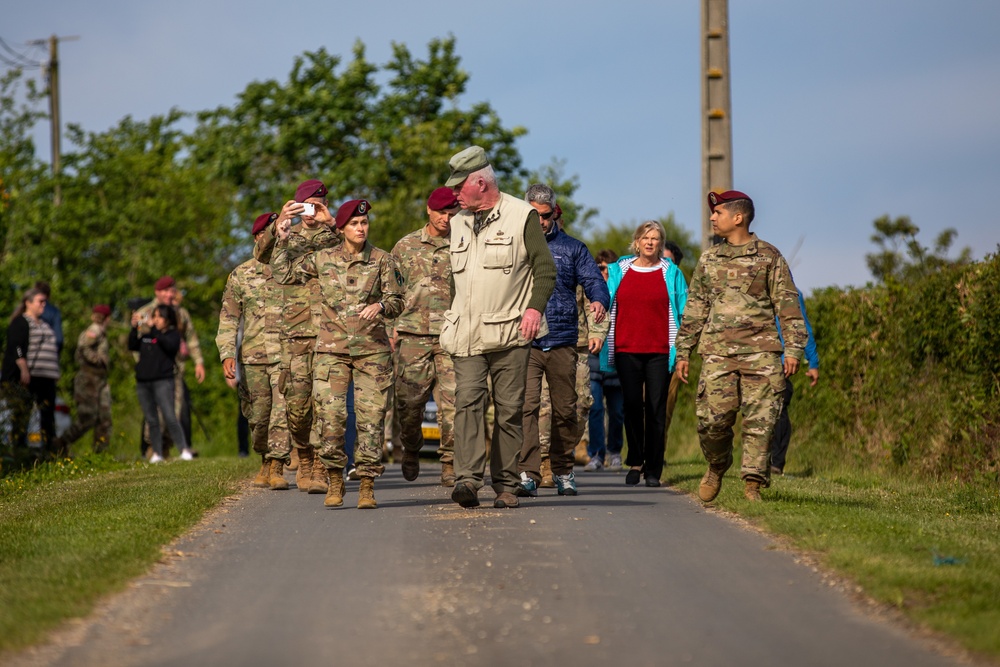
(52, 74)
(716, 119)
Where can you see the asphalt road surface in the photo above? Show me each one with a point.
(615, 576)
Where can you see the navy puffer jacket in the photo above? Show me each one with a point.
(574, 266)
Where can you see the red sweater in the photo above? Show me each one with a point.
(642, 325)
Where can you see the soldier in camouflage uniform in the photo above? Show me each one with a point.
(424, 259)
(359, 285)
(91, 392)
(252, 296)
(301, 316)
(736, 291)
(165, 293)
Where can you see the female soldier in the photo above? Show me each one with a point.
(359, 284)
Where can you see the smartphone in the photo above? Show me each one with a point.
(310, 210)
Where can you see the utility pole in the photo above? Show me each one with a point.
(52, 74)
(716, 119)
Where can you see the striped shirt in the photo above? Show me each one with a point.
(43, 355)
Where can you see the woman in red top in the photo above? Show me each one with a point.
(648, 294)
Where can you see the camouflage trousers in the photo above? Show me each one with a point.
(558, 367)
(584, 399)
(372, 375)
(296, 385)
(422, 367)
(749, 383)
(264, 407)
(92, 396)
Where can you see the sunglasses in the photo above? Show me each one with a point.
(546, 216)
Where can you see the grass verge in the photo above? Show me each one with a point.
(73, 531)
(928, 549)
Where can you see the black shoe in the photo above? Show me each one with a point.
(465, 495)
(632, 477)
(652, 481)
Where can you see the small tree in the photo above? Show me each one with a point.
(902, 257)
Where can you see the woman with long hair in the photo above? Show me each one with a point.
(648, 294)
(155, 377)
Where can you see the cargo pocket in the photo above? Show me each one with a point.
(460, 258)
(499, 253)
(283, 381)
(777, 381)
(500, 328)
(448, 338)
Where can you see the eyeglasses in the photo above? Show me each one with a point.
(602, 267)
(546, 216)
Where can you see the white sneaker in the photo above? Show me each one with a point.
(155, 458)
(615, 463)
(594, 465)
(186, 455)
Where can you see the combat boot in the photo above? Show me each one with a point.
(307, 459)
(752, 490)
(448, 474)
(293, 463)
(711, 483)
(411, 465)
(366, 494)
(335, 492)
(276, 478)
(548, 482)
(260, 481)
(320, 481)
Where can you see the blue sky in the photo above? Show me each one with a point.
(842, 111)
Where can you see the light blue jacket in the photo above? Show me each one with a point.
(812, 355)
(676, 292)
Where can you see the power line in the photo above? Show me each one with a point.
(21, 60)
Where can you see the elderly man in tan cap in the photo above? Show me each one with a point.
(503, 275)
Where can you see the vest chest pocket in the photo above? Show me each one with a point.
(460, 258)
(499, 253)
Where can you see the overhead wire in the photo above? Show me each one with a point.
(20, 59)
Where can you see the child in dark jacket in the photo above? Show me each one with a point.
(154, 378)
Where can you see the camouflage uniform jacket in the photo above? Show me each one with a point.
(735, 294)
(425, 263)
(184, 326)
(251, 293)
(348, 283)
(301, 313)
(588, 328)
(92, 352)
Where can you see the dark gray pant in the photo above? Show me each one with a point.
(506, 369)
(558, 365)
(160, 394)
(782, 431)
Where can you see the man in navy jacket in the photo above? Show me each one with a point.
(555, 356)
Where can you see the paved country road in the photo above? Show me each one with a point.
(616, 576)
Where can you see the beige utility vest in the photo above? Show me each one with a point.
(493, 281)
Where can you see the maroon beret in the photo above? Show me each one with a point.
(557, 212)
(262, 221)
(102, 309)
(310, 188)
(715, 198)
(351, 209)
(441, 199)
(166, 282)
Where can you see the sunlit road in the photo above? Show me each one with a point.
(615, 576)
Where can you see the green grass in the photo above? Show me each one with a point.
(72, 531)
(929, 549)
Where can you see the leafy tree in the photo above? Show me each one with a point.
(902, 257)
(20, 169)
(388, 144)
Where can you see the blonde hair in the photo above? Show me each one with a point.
(644, 229)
